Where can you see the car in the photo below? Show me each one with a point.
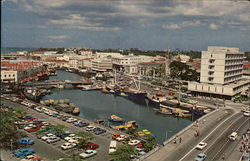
(133, 142)
(67, 146)
(90, 128)
(29, 126)
(33, 129)
(233, 136)
(200, 157)
(112, 146)
(32, 158)
(88, 153)
(121, 138)
(74, 140)
(140, 151)
(25, 141)
(47, 136)
(53, 139)
(71, 120)
(62, 136)
(91, 146)
(201, 145)
(22, 153)
(69, 137)
(246, 113)
(100, 131)
(114, 137)
(76, 123)
(64, 118)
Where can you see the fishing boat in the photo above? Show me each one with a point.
(143, 133)
(165, 111)
(76, 111)
(120, 127)
(115, 118)
(87, 88)
(131, 124)
(104, 90)
(136, 94)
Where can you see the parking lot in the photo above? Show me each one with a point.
(53, 151)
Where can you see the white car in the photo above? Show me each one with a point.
(69, 137)
(66, 146)
(70, 120)
(74, 140)
(88, 153)
(201, 145)
(133, 142)
(140, 151)
(29, 126)
(47, 136)
(121, 138)
(246, 113)
(90, 128)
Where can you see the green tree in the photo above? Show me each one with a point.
(150, 143)
(85, 138)
(124, 152)
(59, 129)
(9, 131)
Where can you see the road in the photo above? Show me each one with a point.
(218, 142)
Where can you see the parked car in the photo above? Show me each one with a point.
(133, 142)
(112, 146)
(99, 131)
(91, 146)
(88, 153)
(114, 137)
(47, 136)
(200, 157)
(69, 137)
(25, 141)
(71, 120)
(64, 118)
(121, 138)
(67, 146)
(33, 129)
(53, 139)
(246, 113)
(62, 136)
(22, 153)
(201, 145)
(90, 128)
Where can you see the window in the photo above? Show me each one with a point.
(13, 75)
(5, 75)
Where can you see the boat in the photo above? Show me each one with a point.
(104, 90)
(99, 121)
(87, 88)
(131, 124)
(120, 127)
(76, 111)
(143, 133)
(115, 118)
(165, 111)
(136, 94)
(123, 94)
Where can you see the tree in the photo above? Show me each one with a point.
(124, 152)
(85, 138)
(9, 132)
(150, 143)
(59, 129)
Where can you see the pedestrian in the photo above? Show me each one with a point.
(180, 139)
(223, 156)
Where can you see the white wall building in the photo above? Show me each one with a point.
(9, 76)
(221, 73)
(101, 64)
(221, 65)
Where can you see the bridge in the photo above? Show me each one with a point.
(74, 83)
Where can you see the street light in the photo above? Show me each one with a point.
(167, 134)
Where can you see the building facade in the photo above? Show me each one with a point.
(221, 73)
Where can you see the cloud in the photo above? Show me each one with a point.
(58, 37)
(114, 15)
(183, 24)
(214, 26)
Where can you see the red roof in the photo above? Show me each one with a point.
(151, 63)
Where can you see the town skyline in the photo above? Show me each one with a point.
(144, 25)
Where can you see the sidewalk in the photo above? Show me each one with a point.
(7, 156)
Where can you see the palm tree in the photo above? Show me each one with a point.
(59, 129)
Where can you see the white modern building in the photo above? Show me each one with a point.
(221, 73)
(101, 65)
(9, 76)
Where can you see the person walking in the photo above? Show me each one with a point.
(180, 139)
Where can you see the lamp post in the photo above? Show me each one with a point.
(167, 134)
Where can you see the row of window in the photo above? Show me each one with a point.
(233, 72)
(231, 67)
(234, 56)
(233, 61)
(13, 75)
(232, 78)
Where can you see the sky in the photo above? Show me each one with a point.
(143, 24)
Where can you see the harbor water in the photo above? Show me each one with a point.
(96, 105)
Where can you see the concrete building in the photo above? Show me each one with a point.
(9, 76)
(221, 73)
(101, 65)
